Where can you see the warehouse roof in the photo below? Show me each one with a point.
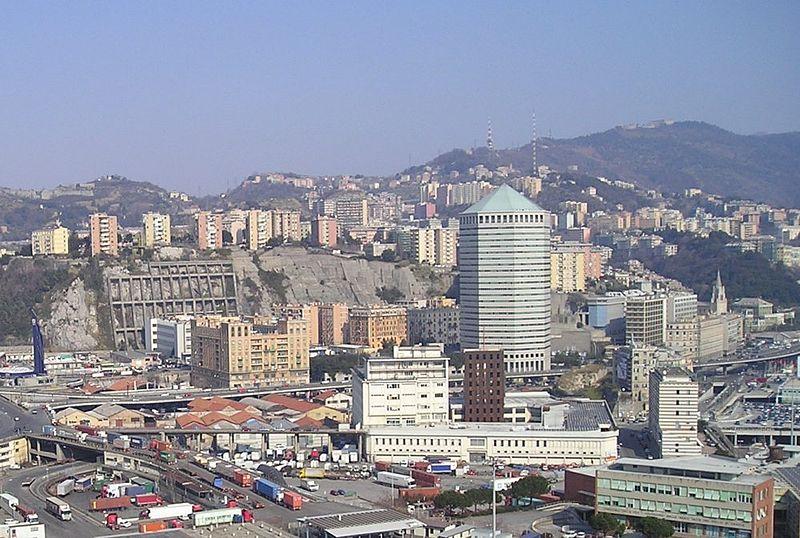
(362, 523)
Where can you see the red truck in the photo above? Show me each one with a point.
(242, 478)
(110, 503)
(157, 445)
(292, 500)
(147, 499)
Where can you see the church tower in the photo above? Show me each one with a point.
(719, 301)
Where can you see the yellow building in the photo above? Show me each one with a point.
(50, 241)
(567, 268)
(156, 229)
(230, 352)
(374, 326)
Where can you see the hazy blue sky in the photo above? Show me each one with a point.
(196, 95)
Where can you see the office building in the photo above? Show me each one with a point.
(324, 232)
(484, 385)
(169, 337)
(209, 230)
(408, 388)
(156, 229)
(233, 352)
(504, 266)
(607, 312)
(432, 324)
(681, 306)
(566, 433)
(674, 412)
(50, 241)
(699, 496)
(376, 326)
(104, 234)
(645, 323)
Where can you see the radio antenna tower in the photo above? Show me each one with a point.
(533, 147)
(489, 141)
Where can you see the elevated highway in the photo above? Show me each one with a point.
(790, 353)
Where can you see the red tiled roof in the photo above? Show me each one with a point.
(215, 404)
(324, 395)
(184, 421)
(126, 383)
(308, 422)
(89, 388)
(291, 403)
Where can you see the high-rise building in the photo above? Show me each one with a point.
(681, 306)
(484, 385)
(156, 229)
(259, 228)
(308, 312)
(376, 326)
(232, 352)
(333, 322)
(568, 267)
(209, 230)
(674, 412)
(286, 224)
(645, 320)
(504, 266)
(409, 388)
(324, 232)
(50, 241)
(351, 211)
(170, 337)
(103, 231)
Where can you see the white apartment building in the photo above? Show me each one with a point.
(504, 265)
(169, 337)
(645, 323)
(407, 389)
(674, 412)
(259, 228)
(156, 229)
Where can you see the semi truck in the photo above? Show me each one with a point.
(220, 516)
(270, 490)
(9, 501)
(395, 480)
(65, 487)
(292, 500)
(58, 508)
(169, 511)
(147, 499)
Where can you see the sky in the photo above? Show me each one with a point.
(198, 95)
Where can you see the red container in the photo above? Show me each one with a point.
(415, 494)
(382, 465)
(152, 526)
(422, 466)
(146, 499)
(292, 500)
(160, 446)
(426, 479)
(242, 478)
(109, 503)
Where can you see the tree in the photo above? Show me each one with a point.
(530, 486)
(478, 496)
(450, 500)
(388, 255)
(653, 527)
(606, 523)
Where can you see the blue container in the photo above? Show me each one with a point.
(48, 429)
(132, 491)
(268, 489)
(218, 482)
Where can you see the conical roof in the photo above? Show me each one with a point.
(501, 200)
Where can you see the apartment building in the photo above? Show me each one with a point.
(104, 234)
(674, 412)
(351, 211)
(333, 322)
(699, 496)
(407, 389)
(567, 268)
(209, 230)
(259, 229)
(324, 232)
(50, 241)
(156, 229)
(374, 326)
(232, 352)
(169, 337)
(431, 324)
(681, 306)
(286, 224)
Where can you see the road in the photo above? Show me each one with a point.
(32, 497)
(27, 420)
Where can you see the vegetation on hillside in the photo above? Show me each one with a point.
(745, 274)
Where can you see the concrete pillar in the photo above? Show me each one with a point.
(59, 453)
(231, 443)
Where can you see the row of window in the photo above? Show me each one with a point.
(677, 491)
(645, 505)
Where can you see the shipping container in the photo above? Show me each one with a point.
(425, 479)
(312, 472)
(292, 500)
(133, 491)
(382, 465)
(242, 478)
(148, 485)
(157, 445)
(416, 494)
(166, 457)
(268, 489)
(220, 516)
(218, 482)
(48, 429)
(152, 526)
(108, 503)
(83, 484)
(65, 487)
(395, 480)
(168, 511)
(146, 499)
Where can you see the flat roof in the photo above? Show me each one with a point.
(727, 469)
(362, 523)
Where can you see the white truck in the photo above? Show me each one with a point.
(395, 480)
(9, 502)
(169, 511)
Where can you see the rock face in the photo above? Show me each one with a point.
(73, 322)
(588, 376)
(329, 278)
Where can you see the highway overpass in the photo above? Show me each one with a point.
(736, 360)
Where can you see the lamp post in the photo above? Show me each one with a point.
(494, 498)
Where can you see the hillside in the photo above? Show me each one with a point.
(667, 157)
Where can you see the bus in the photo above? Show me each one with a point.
(58, 508)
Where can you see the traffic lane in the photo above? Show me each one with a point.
(55, 527)
(25, 419)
